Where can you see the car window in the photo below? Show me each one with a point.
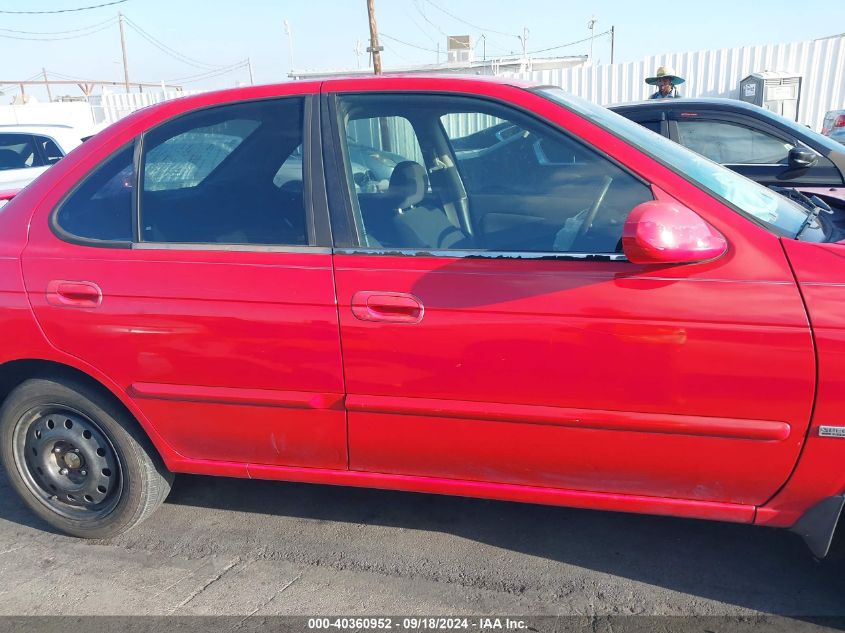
(185, 160)
(732, 143)
(490, 178)
(230, 174)
(654, 126)
(49, 149)
(765, 207)
(17, 151)
(375, 146)
(101, 207)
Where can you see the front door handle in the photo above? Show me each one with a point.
(74, 294)
(391, 307)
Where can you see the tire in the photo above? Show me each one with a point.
(78, 460)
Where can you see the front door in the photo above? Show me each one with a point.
(493, 331)
(199, 285)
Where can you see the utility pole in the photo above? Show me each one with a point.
(612, 41)
(123, 49)
(591, 24)
(524, 40)
(289, 33)
(47, 84)
(358, 50)
(374, 48)
(483, 47)
(249, 67)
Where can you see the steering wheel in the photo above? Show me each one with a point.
(593, 211)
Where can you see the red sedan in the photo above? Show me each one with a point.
(543, 302)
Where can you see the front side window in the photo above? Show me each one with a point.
(230, 174)
(732, 144)
(767, 208)
(17, 151)
(476, 175)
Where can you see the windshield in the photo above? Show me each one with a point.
(766, 207)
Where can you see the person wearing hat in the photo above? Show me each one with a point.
(666, 81)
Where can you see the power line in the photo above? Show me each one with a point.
(553, 48)
(56, 39)
(84, 28)
(210, 74)
(398, 41)
(169, 50)
(475, 26)
(96, 6)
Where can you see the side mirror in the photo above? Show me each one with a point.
(801, 158)
(661, 232)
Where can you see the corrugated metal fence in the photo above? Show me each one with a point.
(717, 73)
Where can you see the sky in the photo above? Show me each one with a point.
(204, 44)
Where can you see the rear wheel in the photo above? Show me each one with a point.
(78, 460)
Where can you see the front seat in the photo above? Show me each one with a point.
(419, 226)
(10, 159)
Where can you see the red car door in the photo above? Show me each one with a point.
(493, 331)
(203, 285)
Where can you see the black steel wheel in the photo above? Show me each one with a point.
(77, 459)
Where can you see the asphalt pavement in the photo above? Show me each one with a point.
(240, 547)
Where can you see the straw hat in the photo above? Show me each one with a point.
(665, 72)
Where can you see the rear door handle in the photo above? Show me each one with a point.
(74, 294)
(390, 307)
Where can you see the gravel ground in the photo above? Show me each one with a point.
(236, 547)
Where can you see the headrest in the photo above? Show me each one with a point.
(408, 184)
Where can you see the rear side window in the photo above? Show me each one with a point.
(231, 174)
(17, 151)
(101, 207)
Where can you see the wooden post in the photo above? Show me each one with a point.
(374, 48)
(47, 84)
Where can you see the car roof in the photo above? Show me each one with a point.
(32, 128)
(358, 81)
(687, 102)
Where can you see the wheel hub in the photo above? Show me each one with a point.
(72, 460)
(70, 463)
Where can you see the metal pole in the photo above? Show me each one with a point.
(612, 41)
(123, 50)
(374, 48)
(249, 66)
(47, 84)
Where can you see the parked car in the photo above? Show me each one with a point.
(27, 151)
(590, 315)
(834, 125)
(751, 140)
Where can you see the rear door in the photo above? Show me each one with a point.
(190, 268)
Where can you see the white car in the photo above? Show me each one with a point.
(26, 151)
